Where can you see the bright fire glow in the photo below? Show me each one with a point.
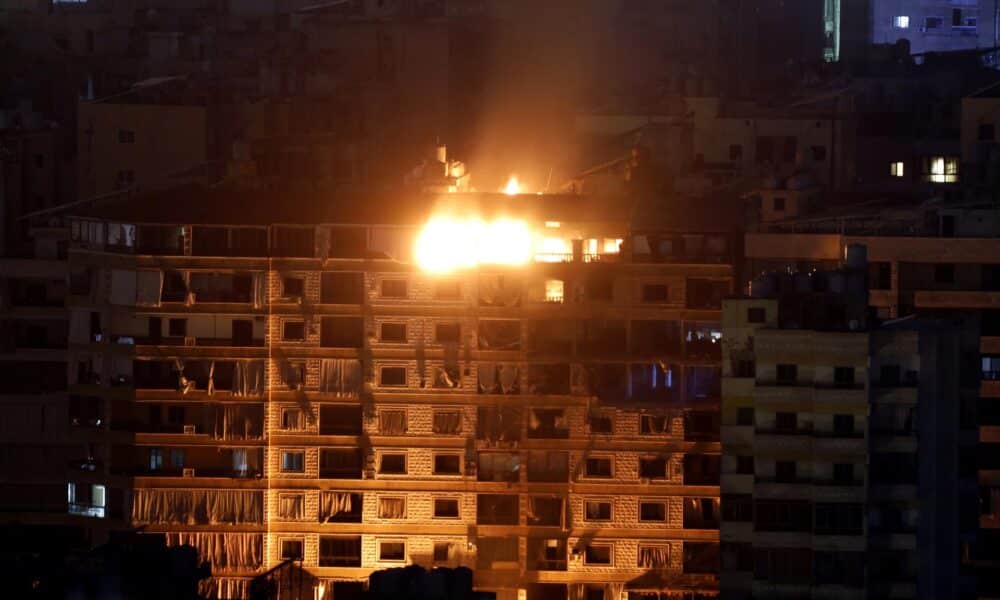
(513, 187)
(447, 244)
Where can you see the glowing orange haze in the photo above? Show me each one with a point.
(447, 243)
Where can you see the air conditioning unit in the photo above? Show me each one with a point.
(190, 430)
(188, 473)
(189, 340)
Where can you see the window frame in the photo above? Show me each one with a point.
(288, 453)
(600, 501)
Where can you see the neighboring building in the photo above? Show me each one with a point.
(267, 392)
(935, 25)
(835, 432)
(928, 265)
(143, 146)
(794, 417)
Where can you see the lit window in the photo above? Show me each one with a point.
(554, 289)
(612, 245)
(901, 22)
(897, 168)
(942, 169)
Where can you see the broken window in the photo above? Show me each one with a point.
(340, 463)
(340, 507)
(653, 383)
(607, 381)
(342, 288)
(292, 419)
(221, 287)
(701, 557)
(447, 464)
(340, 419)
(547, 423)
(601, 424)
(392, 463)
(293, 331)
(706, 294)
(292, 549)
(655, 293)
(293, 287)
(653, 511)
(492, 553)
(547, 554)
(394, 288)
(704, 383)
(497, 509)
(596, 466)
(339, 551)
(597, 554)
(160, 239)
(446, 377)
(499, 335)
(599, 337)
(498, 466)
(447, 333)
(498, 423)
(654, 424)
(499, 290)
(446, 508)
(655, 337)
(701, 469)
(392, 332)
(498, 378)
(442, 551)
(392, 376)
(551, 336)
(293, 242)
(703, 340)
(653, 467)
(702, 426)
(551, 379)
(701, 513)
(342, 332)
(548, 466)
(545, 511)
(447, 422)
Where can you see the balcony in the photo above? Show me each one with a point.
(957, 299)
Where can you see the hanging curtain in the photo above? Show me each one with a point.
(614, 590)
(340, 376)
(447, 422)
(183, 383)
(149, 287)
(210, 388)
(248, 378)
(508, 376)
(391, 508)
(487, 378)
(332, 504)
(654, 557)
(259, 289)
(291, 506)
(197, 507)
(238, 421)
(392, 422)
(446, 377)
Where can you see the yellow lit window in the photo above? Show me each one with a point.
(612, 245)
(554, 289)
(896, 169)
(942, 169)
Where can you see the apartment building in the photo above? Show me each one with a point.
(936, 268)
(934, 25)
(271, 392)
(794, 418)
